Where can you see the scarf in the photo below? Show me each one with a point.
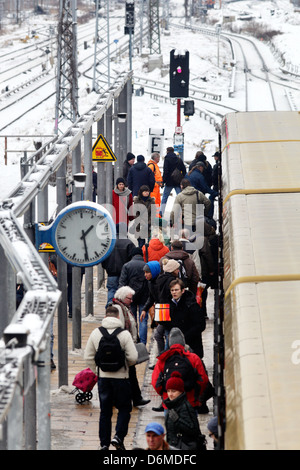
(126, 312)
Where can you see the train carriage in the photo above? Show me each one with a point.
(261, 260)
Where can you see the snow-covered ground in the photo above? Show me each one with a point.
(147, 113)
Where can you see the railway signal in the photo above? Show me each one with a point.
(179, 74)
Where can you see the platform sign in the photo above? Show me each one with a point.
(102, 151)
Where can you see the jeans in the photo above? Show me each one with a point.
(112, 286)
(114, 393)
(142, 325)
(161, 336)
(212, 197)
(166, 194)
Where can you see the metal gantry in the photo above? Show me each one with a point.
(154, 28)
(67, 67)
(101, 72)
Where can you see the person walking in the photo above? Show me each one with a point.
(113, 386)
(130, 158)
(188, 271)
(122, 201)
(132, 275)
(143, 204)
(140, 175)
(207, 172)
(171, 162)
(181, 420)
(155, 249)
(113, 264)
(153, 165)
(197, 179)
(122, 301)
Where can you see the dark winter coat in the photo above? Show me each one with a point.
(215, 181)
(197, 180)
(189, 317)
(132, 275)
(191, 271)
(145, 218)
(172, 161)
(126, 168)
(139, 175)
(181, 420)
(120, 255)
(207, 172)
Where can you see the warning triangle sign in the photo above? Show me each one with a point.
(102, 151)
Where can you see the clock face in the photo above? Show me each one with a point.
(84, 235)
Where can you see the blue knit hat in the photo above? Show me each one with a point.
(154, 267)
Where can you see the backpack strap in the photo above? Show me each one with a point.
(106, 333)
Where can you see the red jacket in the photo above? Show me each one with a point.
(156, 250)
(122, 204)
(202, 379)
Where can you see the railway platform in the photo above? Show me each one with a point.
(74, 426)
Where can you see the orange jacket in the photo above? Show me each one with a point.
(158, 179)
(156, 250)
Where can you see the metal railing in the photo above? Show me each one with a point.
(25, 345)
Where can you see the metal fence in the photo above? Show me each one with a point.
(25, 346)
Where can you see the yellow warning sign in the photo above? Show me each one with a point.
(102, 151)
(46, 248)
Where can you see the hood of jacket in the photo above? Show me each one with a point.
(189, 190)
(139, 166)
(155, 244)
(111, 323)
(177, 254)
(154, 268)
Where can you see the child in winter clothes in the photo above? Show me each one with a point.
(181, 421)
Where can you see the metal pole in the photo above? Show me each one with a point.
(43, 400)
(62, 323)
(178, 111)
(75, 274)
(123, 144)
(109, 168)
(89, 307)
(15, 419)
(101, 184)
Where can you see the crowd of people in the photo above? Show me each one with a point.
(159, 278)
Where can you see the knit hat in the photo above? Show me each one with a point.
(170, 265)
(136, 251)
(175, 382)
(176, 337)
(140, 158)
(130, 156)
(154, 268)
(120, 180)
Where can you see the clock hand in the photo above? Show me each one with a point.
(85, 245)
(84, 234)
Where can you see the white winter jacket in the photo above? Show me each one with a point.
(127, 344)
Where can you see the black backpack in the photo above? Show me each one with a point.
(110, 357)
(180, 364)
(182, 272)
